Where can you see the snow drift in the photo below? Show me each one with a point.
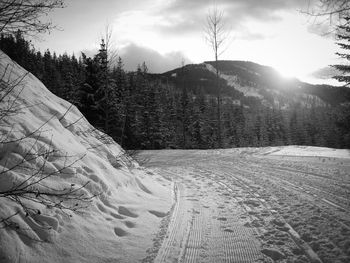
(310, 151)
(117, 225)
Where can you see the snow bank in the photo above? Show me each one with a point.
(116, 226)
(307, 151)
(292, 150)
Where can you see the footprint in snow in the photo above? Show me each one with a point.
(117, 216)
(126, 212)
(130, 224)
(157, 213)
(120, 232)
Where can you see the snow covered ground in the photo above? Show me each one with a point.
(273, 204)
(44, 136)
(309, 151)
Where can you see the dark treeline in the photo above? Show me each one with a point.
(145, 111)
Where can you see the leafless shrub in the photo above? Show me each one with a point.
(29, 170)
(136, 155)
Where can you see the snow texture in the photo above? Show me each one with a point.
(310, 151)
(274, 204)
(120, 222)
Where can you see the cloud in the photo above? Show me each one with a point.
(249, 7)
(172, 20)
(322, 29)
(187, 16)
(324, 76)
(134, 55)
(325, 73)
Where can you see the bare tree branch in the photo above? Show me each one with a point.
(330, 11)
(28, 16)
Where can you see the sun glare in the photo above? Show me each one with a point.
(287, 72)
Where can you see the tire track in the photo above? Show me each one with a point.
(287, 205)
(212, 234)
(171, 247)
(313, 257)
(296, 237)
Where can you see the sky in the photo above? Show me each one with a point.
(163, 33)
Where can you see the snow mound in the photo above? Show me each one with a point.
(280, 151)
(43, 136)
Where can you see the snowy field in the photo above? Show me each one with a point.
(274, 204)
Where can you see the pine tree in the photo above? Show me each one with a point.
(199, 120)
(121, 103)
(344, 35)
(89, 88)
(106, 93)
(184, 104)
(238, 120)
(52, 77)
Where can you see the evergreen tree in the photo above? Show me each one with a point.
(121, 102)
(104, 95)
(51, 76)
(89, 88)
(142, 110)
(344, 35)
(184, 105)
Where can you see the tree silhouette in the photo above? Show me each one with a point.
(216, 34)
(26, 16)
(344, 36)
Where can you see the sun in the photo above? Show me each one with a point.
(287, 72)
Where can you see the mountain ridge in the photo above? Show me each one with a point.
(260, 81)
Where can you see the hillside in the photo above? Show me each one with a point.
(241, 79)
(68, 193)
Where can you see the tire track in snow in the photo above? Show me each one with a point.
(220, 179)
(294, 235)
(317, 200)
(311, 180)
(211, 235)
(171, 247)
(238, 243)
(307, 195)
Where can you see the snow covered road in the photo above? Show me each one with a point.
(253, 205)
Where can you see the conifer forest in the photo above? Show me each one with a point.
(173, 110)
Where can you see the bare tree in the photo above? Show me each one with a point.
(216, 34)
(328, 11)
(27, 15)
